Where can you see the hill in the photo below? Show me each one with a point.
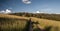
(12, 22)
(18, 23)
(39, 15)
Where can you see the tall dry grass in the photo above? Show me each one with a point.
(18, 23)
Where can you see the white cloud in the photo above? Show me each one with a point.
(57, 13)
(26, 1)
(37, 12)
(2, 11)
(6, 11)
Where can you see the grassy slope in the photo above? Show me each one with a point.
(12, 16)
(42, 22)
(12, 22)
(40, 15)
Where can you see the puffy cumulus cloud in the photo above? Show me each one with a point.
(37, 11)
(6, 11)
(2, 11)
(26, 1)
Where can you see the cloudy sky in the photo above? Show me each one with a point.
(48, 6)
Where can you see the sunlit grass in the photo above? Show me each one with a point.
(18, 23)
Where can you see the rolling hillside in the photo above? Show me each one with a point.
(39, 15)
(12, 22)
(18, 23)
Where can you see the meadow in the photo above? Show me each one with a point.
(18, 22)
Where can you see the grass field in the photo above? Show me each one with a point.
(18, 23)
(39, 15)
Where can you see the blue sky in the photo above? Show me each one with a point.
(48, 6)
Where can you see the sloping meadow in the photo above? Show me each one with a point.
(20, 23)
(7, 24)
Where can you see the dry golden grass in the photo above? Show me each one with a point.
(9, 22)
(12, 16)
(46, 22)
(42, 22)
